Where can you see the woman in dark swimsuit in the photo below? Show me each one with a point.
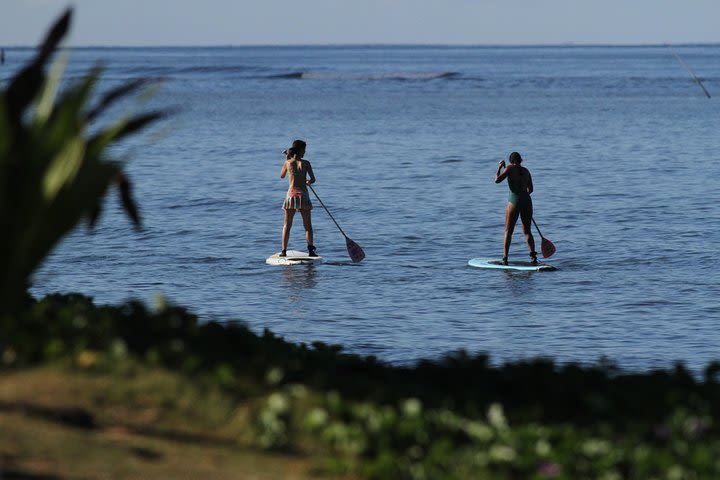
(519, 202)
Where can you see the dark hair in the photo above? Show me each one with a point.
(515, 158)
(292, 151)
(299, 145)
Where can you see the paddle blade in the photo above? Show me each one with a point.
(547, 248)
(356, 253)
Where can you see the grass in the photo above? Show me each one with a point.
(149, 423)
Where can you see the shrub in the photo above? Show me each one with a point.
(54, 168)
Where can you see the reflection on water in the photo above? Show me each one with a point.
(520, 283)
(297, 278)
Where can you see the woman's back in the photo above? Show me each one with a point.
(518, 179)
(297, 174)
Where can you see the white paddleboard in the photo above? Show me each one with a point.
(293, 257)
(512, 265)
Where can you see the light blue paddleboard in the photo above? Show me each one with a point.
(512, 265)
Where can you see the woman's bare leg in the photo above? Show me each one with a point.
(287, 225)
(526, 217)
(307, 222)
(511, 216)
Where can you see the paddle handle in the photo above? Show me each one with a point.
(328, 211)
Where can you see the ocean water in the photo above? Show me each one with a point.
(622, 144)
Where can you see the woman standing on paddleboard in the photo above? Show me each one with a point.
(297, 198)
(519, 202)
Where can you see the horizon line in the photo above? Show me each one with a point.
(385, 45)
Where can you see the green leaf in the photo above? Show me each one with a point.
(114, 95)
(25, 85)
(5, 129)
(49, 90)
(63, 168)
(68, 111)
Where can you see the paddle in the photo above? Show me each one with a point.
(546, 246)
(356, 253)
(697, 80)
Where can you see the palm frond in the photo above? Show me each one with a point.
(53, 171)
(114, 95)
(24, 87)
(127, 200)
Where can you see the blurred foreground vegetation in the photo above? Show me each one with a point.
(355, 416)
(54, 165)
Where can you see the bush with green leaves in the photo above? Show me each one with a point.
(406, 441)
(455, 418)
(54, 166)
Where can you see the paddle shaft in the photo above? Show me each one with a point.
(538, 228)
(689, 71)
(328, 211)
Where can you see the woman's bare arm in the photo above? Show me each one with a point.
(530, 184)
(311, 173)
(499, 177)
(283, 171)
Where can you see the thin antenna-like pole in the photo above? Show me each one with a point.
(689, 70)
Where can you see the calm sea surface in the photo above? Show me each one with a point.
(623, 146)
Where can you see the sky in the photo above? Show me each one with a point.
(310, 22)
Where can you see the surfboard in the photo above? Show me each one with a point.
(512, 265)
(293, 257)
